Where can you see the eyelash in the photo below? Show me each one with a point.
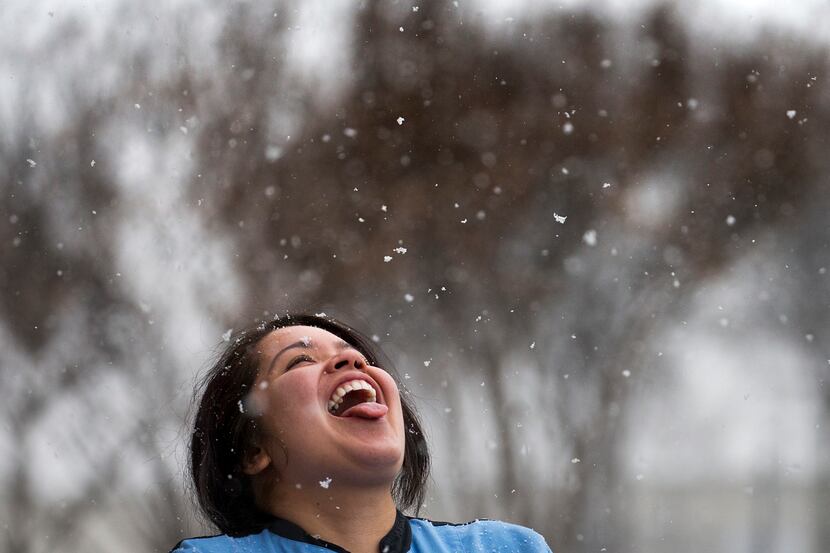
(297, 360)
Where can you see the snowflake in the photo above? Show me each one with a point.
(590, 237)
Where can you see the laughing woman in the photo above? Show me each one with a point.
(302, 442)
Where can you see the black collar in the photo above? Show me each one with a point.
(397, 540)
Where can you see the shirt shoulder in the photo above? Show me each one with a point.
(223, 543)
(478, 535)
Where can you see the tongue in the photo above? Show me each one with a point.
(370, 410)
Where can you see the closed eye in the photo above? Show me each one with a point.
(297, 360)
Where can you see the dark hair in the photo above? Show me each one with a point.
(221, 431)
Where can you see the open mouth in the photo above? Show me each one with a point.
(355, 398)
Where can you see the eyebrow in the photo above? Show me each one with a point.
(304, 344)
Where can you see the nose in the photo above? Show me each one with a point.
(347, 359)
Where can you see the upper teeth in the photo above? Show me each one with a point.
(338, 395)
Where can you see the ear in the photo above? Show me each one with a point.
(255, 460)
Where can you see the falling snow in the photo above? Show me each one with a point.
(590, 237)
(491, 153)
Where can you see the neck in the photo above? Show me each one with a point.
(355, 518)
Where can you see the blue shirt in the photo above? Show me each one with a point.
(415, 535)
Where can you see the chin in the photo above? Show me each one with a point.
(377, 475)
(380, 452)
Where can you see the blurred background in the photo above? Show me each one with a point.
(592, 235)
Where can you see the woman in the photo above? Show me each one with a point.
(302, 441)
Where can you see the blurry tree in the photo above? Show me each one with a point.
(426, 198)
(494, 136)
(74, 339)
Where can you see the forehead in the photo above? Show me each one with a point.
(286, 336)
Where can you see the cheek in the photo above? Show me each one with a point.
(390, 392)
(286, 400)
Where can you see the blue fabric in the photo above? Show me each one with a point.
(427, 537)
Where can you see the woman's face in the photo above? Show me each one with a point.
(325, 413)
